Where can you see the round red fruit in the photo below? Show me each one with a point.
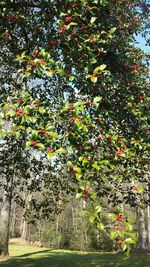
(50, 150)
(53, 43)
(33, 143)
(68, 20)
(72, 120)
(86, 191)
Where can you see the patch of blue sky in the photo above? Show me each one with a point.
(140, 42)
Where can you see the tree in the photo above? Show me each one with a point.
(91, 51)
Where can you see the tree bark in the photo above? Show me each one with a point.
(142, 228)
(148, 226)
(4, 224)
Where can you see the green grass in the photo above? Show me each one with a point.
(27, 256)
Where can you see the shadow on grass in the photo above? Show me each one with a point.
(49, 258)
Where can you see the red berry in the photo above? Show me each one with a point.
(119, 152)
(85, 198)
(42, 130)
(42, 61)
(68, 20)
(20, 100)
(32, 64)
(63, 29)
(85, 158)
(101, 137)
(50, 150)
(47, 134)
(71, 108)
(34, 143)
(141, 97)
(53, 43)
(19, 112)
(72, 170)
(35, 54)
(86, 191)
(37, 103)
(119, 240)
(118, 229)
(135, 188)
(119, 218)
(109, 138)
(5, 36)
(101, 129)
(89, 103)
(72, 120)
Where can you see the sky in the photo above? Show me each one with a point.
(141, 43)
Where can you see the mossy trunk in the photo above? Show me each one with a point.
(4, 224)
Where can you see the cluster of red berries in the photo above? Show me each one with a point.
(118, 229)
(119, 153)
(20, 100)
(32, 64)
(119, 218)
(68, 20)
(34, 143)
(50, 150)
(5, 36)
(35, 54)
(70, 108)
(135, 68)
(72, 120)
(63, 29)
(13, 18)
(20, 112)
(53, 43)
(43, 131)
(119, 240)
(72, 170)
(37, 103)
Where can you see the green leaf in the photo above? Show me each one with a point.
(124, 246)
(140, 189)
(49, 72)
(41, 146)
(98, 209)
(71, 78)
(79, 195)
(28, 144)
(113, 235)
(78, 176)
(129, 241)
(100, 226)
(78, 170)
(51, 155)
(97, 99)
(100, 68)
(85, 212)
(95, 166)
(112, 30)
(91, 218)
(128, 226)
(93, 79)
(69, 164)
(62, 151)
(93, 19)
(41, 110)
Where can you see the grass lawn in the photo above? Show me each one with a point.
(28, 256)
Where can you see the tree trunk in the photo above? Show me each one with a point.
(4, 224)
(148, 226)
(142, 228)
(23, 229)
